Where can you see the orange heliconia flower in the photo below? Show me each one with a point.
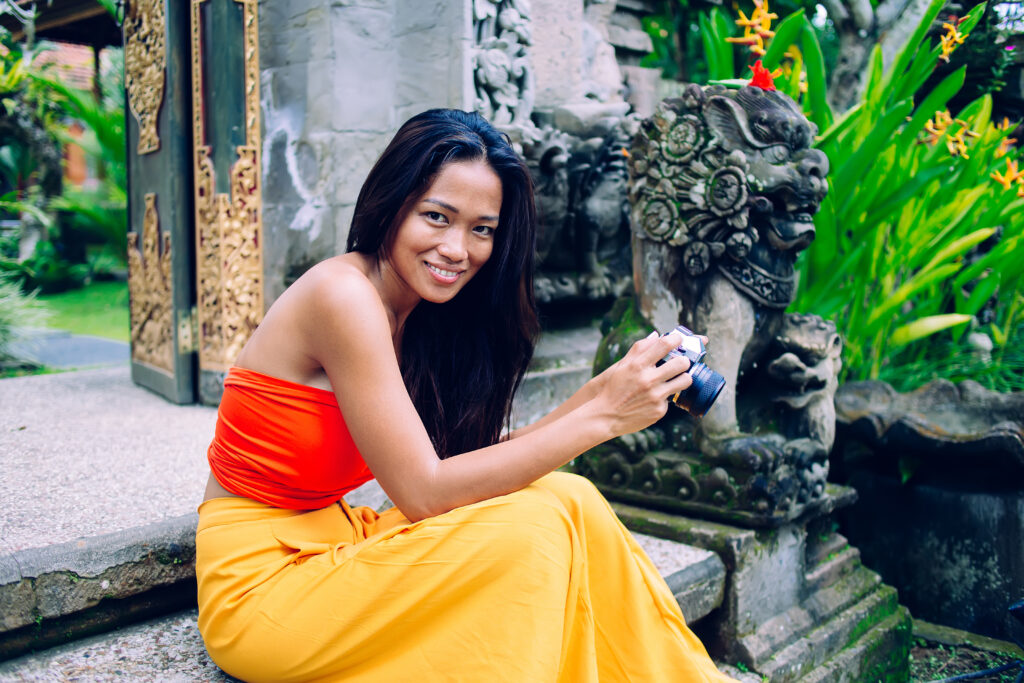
(757, 29)
(1011, 176)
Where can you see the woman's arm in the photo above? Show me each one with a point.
(347, 331)
(585, 393)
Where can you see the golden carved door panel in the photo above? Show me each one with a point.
(227, 182)
(160, 253)
(194, 187)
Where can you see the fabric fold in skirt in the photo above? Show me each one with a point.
(544, 584)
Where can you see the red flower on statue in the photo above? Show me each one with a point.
(762, 77)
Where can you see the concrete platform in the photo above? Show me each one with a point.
(89, 453)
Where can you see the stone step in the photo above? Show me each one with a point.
(832, 568)
(169, 648)
(836, 636)
(790, 627)
(878, 652)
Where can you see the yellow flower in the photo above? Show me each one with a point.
(956, 145)
(937, 126)
(1011, 176)
(756, 29)
(1004, 147)
(952, 37)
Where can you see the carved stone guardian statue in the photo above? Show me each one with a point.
(723, 187)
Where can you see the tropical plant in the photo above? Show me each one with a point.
(19, 314)
(923, 216)
(96, 213)
(918, 240)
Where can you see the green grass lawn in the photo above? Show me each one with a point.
(99, 309)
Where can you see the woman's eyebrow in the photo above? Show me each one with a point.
(449, 207)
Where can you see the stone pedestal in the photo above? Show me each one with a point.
(799, 605)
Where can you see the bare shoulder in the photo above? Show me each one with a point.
(336, 301)
(339, 286)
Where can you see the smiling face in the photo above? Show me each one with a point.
(447, 234)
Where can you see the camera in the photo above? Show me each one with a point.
(707, 384)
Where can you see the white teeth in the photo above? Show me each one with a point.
(443, 273)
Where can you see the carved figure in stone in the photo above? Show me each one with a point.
(501, 67)
(583, 211)
(602, 79)
(723, 189)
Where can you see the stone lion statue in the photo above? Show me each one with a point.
(723, 187)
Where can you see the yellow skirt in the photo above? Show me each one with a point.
(544, 584)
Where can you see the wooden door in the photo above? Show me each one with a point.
(161, 271)
(194, 187)
(228, 185)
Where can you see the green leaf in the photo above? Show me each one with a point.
(786, 33)
(899, 65)
(923, 327)
(901, 194)
(839, 127)
(817, 89)
(934, 102)
(723, 29)
(982, 292)
(710, 42)
(853, 171)
(919, 281)
(959, 247)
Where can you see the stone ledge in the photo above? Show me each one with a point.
(59, 593)
(71, 588)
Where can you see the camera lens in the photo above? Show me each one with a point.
(699, 396)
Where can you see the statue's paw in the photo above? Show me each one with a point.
(758, 453)
(805, 452)
(597, 284)
(644, 441)
(809, 460)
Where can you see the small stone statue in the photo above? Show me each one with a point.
(583, 211)
(723, 188)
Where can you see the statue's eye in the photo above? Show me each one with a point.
(776, 154)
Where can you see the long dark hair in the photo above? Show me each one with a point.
(463, 360)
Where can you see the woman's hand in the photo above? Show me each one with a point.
(634, 391)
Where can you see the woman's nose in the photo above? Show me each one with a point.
(453, 245)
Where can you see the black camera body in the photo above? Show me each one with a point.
(707, 384)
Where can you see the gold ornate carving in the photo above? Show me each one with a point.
(229, 244)
(149, 286)
(145, 59)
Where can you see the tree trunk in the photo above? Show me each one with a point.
(859, 27)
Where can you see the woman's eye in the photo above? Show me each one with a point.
(435, 216)
(484, 230)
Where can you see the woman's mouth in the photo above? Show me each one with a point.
(442, 275)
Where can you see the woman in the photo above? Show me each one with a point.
(490, 567)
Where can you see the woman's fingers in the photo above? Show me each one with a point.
(673, 367)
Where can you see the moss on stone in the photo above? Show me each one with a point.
(623, 326)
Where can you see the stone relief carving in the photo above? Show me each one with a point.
(145, 58)
(723, 189)
(502, 73)
(583, 237)
(149, 282)
(576, 154)
(229, 227)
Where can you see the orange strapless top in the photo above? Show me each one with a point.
(283, 444)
